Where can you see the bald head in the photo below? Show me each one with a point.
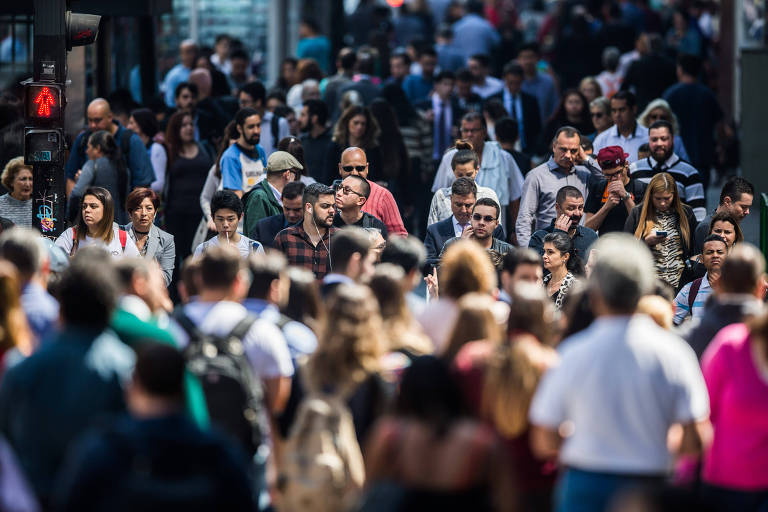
(99, 116)
(355, 162)
(188, 52)
(201, 77)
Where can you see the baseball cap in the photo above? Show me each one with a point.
(59, 259)
(281, 161)
(611, 156)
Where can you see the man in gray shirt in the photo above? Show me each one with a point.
(537, 204)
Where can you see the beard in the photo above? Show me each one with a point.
(575, 219)
(661, 155)
(253, 140)
(324, 222)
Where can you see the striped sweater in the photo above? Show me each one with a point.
(686, 176)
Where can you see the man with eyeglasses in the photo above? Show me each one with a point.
(541, 186)
(612, 198)
(351, 194)
(266, 198)
(482, 223)
(380, 203)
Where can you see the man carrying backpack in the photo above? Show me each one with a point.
(99, 116)
(242, 361)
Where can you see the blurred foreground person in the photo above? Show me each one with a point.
(605, 411)
(156, 459)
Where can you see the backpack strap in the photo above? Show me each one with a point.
(693, 292)
(242, 327)
(188, 325)
(125, 144)
(123, 238)
(75, 243)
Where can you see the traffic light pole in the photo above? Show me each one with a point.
(50, 65)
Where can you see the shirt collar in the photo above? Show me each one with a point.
(277, 193)
(456, 222)
(632, 135)
(135, 306)
(672, 160)
(334, 278)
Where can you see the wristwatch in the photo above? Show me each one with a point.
(627, 196)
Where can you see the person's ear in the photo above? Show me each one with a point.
(727, 201)
(361, 201)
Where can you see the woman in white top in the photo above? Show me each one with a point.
(465, 163)
(95, 227)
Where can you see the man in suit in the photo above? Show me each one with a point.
(521, 106)
(362, 82)
(444, 111)
(266, 229)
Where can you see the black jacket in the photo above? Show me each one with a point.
(267, 229)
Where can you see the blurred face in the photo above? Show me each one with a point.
(99, 117)
(92, 211)
(187, 130)
(461, 206)
(222, 47)
(552, 258)
(133, 126)
(740, 208)
(660, 143)
(617, 173)
(713, 254)
(444, 87)
(474, 132)
(324, 210)
(477, 69)
(304, 123)
(245, 100)
(725, 230)
(186, 100)
(657, 114)
(378, 245)
(662, 201)
(623, 116)
(589, 91)
(600, 119)
(527, 273)
(566, 150)
(239, 68)
(250, 131)
(292, 209)
(397, 68)
(484, 221)
(349, 195)
(273, 103)
(288, 72)
(357, 127)
(93, 152)
(353, 162)
(143, 216)
(428, 65)
(463, 88)
(467, 170)
(527, 60)
(22, 184)
(188, 54)
(293, 123)
(573, 207)
(226, 221)
(513, 82)
(573, 105)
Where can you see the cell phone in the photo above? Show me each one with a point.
(661, 233)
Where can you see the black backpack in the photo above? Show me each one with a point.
(234, 395)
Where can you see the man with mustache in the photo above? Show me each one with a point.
(244, 163)
(569, 208)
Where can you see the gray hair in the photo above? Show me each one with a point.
(623, 271)
(24, 248)
(602, 103)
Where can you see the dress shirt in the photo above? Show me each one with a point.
(514, 106)
(440, 107)
(630, 145)
(458, 229)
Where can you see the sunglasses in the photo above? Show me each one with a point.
(597, 114)
(350, 168)
(486, 218)
(612, 176)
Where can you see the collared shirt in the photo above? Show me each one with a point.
(440, 107)
(686, 176)
(537, 206)
(440, 208)
(499, 246)
(517, 110)
(381, 204)
(278, 194)
(682, 309)
(489, 87)
(458, 229)
(615, 364)
(630, 145)
(295, 243)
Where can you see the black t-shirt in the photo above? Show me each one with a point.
(616, 218)
(366, 221)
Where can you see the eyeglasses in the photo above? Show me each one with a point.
(346, 190)
(597, 114)
(350, 168)
(613, 176)
(487, 218)
(657, 117)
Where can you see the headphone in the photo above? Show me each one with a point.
(326, 247)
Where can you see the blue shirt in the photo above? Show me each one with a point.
(683, 310)
(417, 88)
(242, 169)
(41, 309)
(473, 34)
(318, 48)
(174, 77)
(138, 162)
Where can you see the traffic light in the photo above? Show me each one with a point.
(44, 103)
(82, 29)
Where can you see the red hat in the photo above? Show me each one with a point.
(611, 156)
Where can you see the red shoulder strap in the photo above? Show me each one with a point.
(123, 238)
(693, 292)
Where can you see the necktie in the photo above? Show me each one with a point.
(513, 112)
(441, 132)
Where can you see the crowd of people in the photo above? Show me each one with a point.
(471, 269)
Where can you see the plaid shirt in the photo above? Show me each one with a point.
(295, 243)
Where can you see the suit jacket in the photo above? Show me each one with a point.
(439, 233)
(458, 112)
(531, 119)
(267, 229)
(161, 247)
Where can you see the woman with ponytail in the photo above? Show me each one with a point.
(105, 168)
(465, 163)
(563, 265)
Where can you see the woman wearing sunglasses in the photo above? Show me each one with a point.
(659, 110)
(600, 112)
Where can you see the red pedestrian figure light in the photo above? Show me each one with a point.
(45, 101)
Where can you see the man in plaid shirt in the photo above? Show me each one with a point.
(308, 243)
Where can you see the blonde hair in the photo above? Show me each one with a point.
(658, 308)
(512, 374)
(662, 182)
(475, 321)
(466, 268)
(351, 342)
(11, 170)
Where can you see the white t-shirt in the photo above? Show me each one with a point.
(264, 343)
(245, 245)
(65, 241)
(621, 383)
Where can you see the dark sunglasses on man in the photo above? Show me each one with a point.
(487, 218)
(350, 168)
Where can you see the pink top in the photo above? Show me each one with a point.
(738, 397)
(382, 204)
